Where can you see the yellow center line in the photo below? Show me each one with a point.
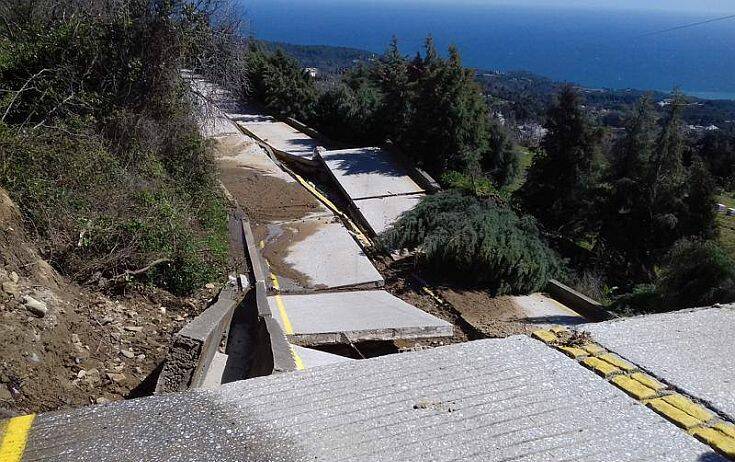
(297, 359)
(14, 438)
(287, 327)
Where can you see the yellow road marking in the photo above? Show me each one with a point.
(281, 307)
(14, 438)
(695, 418)
(297, 359)
(364, 240)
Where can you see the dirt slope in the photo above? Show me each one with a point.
(67, 346)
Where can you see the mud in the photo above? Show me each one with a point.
(267, 199)
(277, 240)
(493, 316)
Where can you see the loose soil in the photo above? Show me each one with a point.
(493, 316)
(273, 205)
(277, 244)
(88, 347)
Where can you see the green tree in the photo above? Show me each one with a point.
(624, 212)
(281, 84)
(653, 200)
(465, 239)
(717, 149)
(391, 75)
(696, 273)
(562, 183)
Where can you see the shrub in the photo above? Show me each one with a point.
(696, 273)
(469, 240)
(99, 146)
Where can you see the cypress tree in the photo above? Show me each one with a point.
(562, 182)
(392, 78)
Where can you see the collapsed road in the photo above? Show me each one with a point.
(649, 388)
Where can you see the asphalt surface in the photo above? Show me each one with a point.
(692, 350)
(493, 400)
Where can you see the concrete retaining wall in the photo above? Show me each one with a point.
(194, 346)
(590, 309)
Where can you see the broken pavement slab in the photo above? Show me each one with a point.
(343, 317)
(317, 254)
(490, 400)
(379, 213)
(364, 173)
(688, 349)
(283, 139)
(311, 358)
(545, 311)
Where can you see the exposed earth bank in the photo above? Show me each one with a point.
(63, 345)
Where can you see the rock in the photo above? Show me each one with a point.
(14, 278)
(81, 374)
(162, 310)
(75, 338)
(5, 394)
(36, 307)
(210, 286)
(102, 400)
(133, 328)
(127, 353)
(116, 377)
(92, 376)
(11, 288)
(141, 357)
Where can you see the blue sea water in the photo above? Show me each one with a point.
(595, 48)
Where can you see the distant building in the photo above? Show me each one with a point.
(312, 72)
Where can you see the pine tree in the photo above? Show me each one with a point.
(653, 201)
(392, 78)
(625, 213)
(562, 182)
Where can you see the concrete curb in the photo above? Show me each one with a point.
(590, 309)
(194, 346)
(274, 353)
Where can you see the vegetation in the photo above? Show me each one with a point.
(478, 241)
(560, 188)
(100, 146)
(430, 107)
(653, 196)
(590, 189)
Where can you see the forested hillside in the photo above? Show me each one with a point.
(620, 187)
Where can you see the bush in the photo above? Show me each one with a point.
(99, 146)
(468, 240)
(94, 216)
(696, 273)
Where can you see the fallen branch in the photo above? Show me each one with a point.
(138, 272)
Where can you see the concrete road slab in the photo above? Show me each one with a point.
(283, 138)
(339, 317)
(691, 350)
(381, 212)
(316, 254)
(545, 311)
(312, 358)
(491, 400)
(369, 172)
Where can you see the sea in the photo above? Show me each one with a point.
(596, 48)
